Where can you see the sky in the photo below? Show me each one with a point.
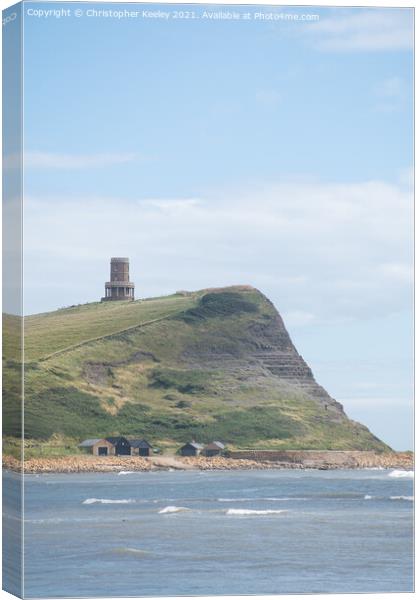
(213, 152)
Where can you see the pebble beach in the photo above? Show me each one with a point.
(90, 463)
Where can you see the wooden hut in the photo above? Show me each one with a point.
(140, 448)
(121, 445)
(191, 449)
(213, 449)
(98, 447)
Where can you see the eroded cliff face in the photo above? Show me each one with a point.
(262, 348)
(277, 354)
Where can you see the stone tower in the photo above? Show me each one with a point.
(120, 287)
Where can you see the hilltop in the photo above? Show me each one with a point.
(211, 364)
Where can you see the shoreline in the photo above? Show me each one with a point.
(95, 464)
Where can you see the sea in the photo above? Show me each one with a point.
(216, 532)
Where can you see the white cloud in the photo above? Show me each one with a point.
(321, 251)
(47, 160)
(370, 30)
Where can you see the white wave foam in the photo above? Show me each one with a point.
(234, 499)
(409, 498)
(137, 551)
(125, 472)
(106, 501)
(172, 509)
(282, 499)
(268, 499)
(398, 473)
(246, 511)
(367, 497)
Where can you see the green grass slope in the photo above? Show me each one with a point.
(213, 364)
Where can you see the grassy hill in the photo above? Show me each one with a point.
(212, 364)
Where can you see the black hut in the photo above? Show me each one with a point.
(191, 449)
(141, 447)
(121, 445)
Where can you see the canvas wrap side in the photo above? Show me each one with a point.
(12, 407)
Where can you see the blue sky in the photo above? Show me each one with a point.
(211, 153)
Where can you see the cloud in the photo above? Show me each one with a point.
(366, 30)
(46, 160)
(323, 252)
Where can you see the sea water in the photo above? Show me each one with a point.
(220, 532)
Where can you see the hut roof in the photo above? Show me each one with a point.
(140, 444)
(215, 446)
(195, 445)
(90, 442)
(115, 440)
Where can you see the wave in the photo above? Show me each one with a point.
(398, 473)
(409, 498)
(135, 551)
(172, 509)
(246, 511)
(107, 501)
(235, 499)
(281, 499)
(373, 469)
(268, 499)
(125, 472)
